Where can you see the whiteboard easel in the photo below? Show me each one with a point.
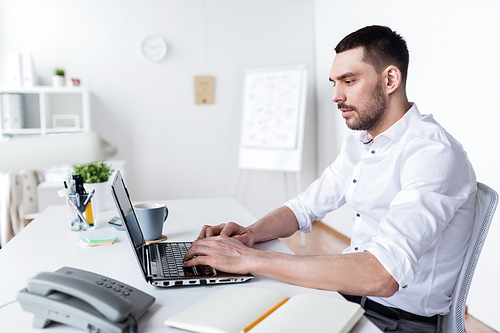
(272, 130)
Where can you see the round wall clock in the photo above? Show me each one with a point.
(153, 48)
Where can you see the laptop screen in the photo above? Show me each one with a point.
(124, 206)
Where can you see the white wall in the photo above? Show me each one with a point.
(172, 147)
(454, 71)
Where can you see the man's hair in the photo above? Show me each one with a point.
(381, 47)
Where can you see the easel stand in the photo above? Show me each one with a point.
(272, 134)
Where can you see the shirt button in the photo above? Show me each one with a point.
(404, 287)
(354, 181)
(357, 248)
(373, 151)
(358, 214)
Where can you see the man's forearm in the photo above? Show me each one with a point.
(353, 274)
(281, 222)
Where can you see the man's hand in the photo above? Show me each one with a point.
(230, 229)
(223, 253)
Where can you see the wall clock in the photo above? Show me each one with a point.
(153, 48)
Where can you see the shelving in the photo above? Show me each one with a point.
(44, 110)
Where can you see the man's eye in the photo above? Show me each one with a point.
(349, 81)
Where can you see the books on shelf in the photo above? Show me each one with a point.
(258, 310)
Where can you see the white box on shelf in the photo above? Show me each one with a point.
(66, 121)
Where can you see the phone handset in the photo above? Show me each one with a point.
(111, 306)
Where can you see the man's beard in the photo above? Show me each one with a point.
(371, 114)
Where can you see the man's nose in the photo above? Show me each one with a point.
(338, 95)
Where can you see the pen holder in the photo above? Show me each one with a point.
(81, 213)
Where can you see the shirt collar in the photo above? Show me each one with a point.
(398, 129)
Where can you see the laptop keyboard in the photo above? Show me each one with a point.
(172, 261)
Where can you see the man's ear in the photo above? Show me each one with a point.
(393, 78)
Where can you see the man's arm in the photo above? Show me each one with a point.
(353, 274)
(279, 223)
(226, 247)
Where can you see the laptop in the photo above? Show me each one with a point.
(162, 263)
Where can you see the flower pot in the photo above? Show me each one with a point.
(100, 199)
(58, 81)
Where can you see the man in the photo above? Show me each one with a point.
(409, 187)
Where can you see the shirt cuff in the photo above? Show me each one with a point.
(395, 264)
(302, 218)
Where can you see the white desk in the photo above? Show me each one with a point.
(47, 244)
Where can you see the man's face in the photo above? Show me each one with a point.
(358, 91)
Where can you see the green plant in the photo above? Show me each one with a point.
(59, 71)
(96, 172)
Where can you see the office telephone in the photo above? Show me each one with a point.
(83, 299)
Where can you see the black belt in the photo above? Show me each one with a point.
(393, 313)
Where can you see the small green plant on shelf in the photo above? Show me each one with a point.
(96, 172)
(59, 71)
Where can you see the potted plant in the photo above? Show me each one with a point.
(58, 79)
(95, 177)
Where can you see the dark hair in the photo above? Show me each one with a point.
(381, 47)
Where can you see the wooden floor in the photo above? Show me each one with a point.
(324, 240)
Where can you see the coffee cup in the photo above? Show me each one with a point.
(151, 217)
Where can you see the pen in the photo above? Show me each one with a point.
(88, 198)
(252, 325)
(77, 210)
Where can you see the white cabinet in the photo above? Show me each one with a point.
(43, 110)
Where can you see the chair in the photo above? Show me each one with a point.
(486, 204)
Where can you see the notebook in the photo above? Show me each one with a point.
(162, 263)
(262, 310)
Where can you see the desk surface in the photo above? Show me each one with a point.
(47, 244)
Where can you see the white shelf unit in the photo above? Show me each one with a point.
(44, 103)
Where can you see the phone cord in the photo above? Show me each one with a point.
(133, 327)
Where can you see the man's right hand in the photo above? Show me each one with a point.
(230, 229)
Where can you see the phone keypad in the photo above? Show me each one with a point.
(112, 285)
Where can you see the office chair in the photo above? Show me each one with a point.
(486, 204)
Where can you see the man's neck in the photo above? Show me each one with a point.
(397, 107)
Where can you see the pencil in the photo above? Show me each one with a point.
(252, 325)
(88, 213)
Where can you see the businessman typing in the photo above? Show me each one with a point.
(409, 187)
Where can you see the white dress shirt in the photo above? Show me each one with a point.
(411, 194)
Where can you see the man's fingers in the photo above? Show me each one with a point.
(214, 231)
(223, 253)
(191, 255)
(198, 254)
(203, 247)
(231, 229)
(203, 231)
(210, 231)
